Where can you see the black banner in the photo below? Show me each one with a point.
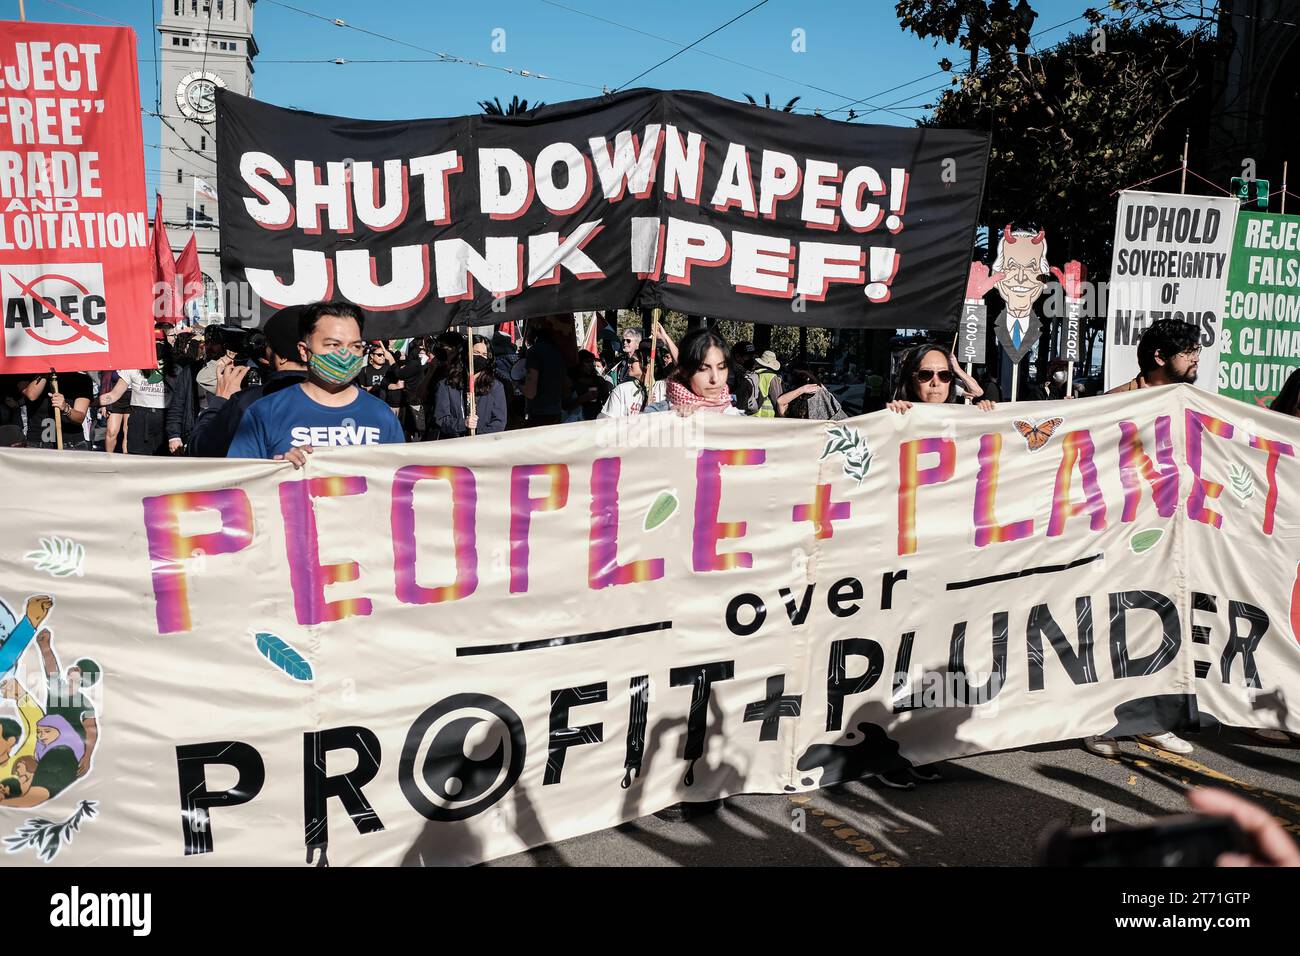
(640, 199)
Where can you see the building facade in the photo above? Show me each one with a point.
(1252, 121)
(203, 44)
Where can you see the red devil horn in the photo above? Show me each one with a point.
(1006, 232)
(1039, 238)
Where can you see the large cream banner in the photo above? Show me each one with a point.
(449, 652)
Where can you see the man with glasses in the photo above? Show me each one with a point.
(618, 370)
(1168, 353)
(326, 409)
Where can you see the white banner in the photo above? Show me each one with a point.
(450, 652)
(1170, 261)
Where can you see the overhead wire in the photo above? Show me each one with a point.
(442, 57)
(927, 76)
(708, 53)
(157, 76)
(693, 43)
(207, 38)
(89, 13)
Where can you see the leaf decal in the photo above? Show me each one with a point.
(846, 441)
(1145, 540)
(1241, 482)
(58, 557)
(857, 468)
(47, 837)
(664, 507)
(283, 656)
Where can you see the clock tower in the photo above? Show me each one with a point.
(203, 44)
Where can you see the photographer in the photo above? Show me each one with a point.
(326, 409)
(238, 386)
(186, 398)
(215, 356)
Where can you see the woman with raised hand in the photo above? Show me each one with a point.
(699, 382)
(807, 398)
(926, 377)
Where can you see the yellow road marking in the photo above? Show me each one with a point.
(849, 836)
(1187, 763)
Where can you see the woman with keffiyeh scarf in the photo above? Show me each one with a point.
(699, 383)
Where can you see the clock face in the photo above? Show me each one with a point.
(196, 95)
(202, 96)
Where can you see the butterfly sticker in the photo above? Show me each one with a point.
(1036, 434)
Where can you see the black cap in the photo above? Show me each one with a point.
(11, 436)
(281, 331)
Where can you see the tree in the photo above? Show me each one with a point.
(767, 102)
(1099, 112)
(516, 106)
(974, 25)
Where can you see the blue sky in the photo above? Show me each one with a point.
(854, 50)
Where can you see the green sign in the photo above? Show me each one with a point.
(1261, 311)
(1251, 191)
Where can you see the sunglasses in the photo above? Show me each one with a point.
(925, 374)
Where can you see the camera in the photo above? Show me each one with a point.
(1186, 840)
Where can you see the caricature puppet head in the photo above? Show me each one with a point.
(1022, 258)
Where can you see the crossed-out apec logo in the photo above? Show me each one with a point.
(54, 309)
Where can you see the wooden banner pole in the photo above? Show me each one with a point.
(469, 375)
(58, 415)
(1187, 139)
(654, 348)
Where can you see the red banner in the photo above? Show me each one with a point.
(74, 246)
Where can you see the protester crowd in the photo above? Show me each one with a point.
(193, 402)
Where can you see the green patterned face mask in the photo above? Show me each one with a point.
(337, 368)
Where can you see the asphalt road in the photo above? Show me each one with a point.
(987, 810)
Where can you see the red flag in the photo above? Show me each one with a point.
(167, 305)
(188, 273)
(591, 344)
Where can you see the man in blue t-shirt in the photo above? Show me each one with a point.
(326, 409)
